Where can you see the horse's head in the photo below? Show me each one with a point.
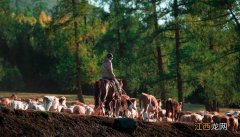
(14, 97)
(120, 83)
(159, 103)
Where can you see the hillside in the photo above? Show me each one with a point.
(30, 123)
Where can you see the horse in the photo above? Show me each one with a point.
(105, 95)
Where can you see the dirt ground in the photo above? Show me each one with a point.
(48, 124)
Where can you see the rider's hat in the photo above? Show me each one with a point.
(109, 55)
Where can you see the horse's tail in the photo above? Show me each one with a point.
(96, 95)
(140, 102)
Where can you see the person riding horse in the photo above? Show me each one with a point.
(108, 90)
(107, 72)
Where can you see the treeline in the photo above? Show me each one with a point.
(186, 49)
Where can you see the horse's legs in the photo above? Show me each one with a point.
(173, 115)
(145, 112)
(104, 96)
(117, 107)
(108, 107)
(114, 108)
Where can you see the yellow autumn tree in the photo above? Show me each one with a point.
(44, 19)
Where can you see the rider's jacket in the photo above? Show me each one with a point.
(107, 69)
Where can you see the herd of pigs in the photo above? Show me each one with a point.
(150, 109)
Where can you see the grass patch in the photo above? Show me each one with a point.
(201, 107)
(193, 107)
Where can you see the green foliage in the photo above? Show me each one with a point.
(38, 44)
(10, 77)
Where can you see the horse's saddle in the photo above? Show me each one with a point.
(111, 82)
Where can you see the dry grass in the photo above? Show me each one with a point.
(70, 97)
(200, 107)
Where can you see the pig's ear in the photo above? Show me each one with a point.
(132, 99)
(180, 103)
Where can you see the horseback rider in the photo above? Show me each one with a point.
(107, 72)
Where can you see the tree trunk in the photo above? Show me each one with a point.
(85, 31)
(161, 73)
(118, 33)
(78, 73)
(210, 42)
(238, 71)
(212, 105)
(238, 30)
(120, 43)
(177, 40)
(159, 54)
